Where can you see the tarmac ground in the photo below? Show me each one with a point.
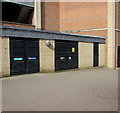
(81, 90)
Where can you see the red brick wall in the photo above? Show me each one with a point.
(50, 16)
(117, 15)
(82, 15)
(95, 33)
(67, 16)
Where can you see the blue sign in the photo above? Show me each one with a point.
(18, 59)
(32, 58)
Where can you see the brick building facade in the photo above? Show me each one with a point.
(69, 35)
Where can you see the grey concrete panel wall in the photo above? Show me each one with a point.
(47, 56)
(102, 55)
(5, 56)
(85, 55)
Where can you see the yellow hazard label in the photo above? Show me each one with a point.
(73, 50)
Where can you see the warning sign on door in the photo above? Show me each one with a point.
(73, 50)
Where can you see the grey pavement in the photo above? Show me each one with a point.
(0, 95)
(81, 90)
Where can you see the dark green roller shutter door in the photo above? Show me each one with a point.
(96, 54)
(118, 56)
(24, 56)
(66, 55)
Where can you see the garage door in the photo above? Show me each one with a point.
(66, 55)
(95, 54)
(118, 56)
(24, 56)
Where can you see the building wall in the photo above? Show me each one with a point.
(118, 38)
(47, 56)
(5, 57)
(111, 49)
(82, 15)
(102, 55)
(117, 26)
(117, 15)
(72, 16)
(66, 17)
(93, 33)
(85, 55)
(87, 18)
(37, 14)
(50, 16)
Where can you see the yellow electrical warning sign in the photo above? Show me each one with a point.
(73, 50)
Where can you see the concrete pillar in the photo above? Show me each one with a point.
(5, 57)
(47, 56)
(37, 13)
(111, 35)
(102, 55)
(85, 54)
